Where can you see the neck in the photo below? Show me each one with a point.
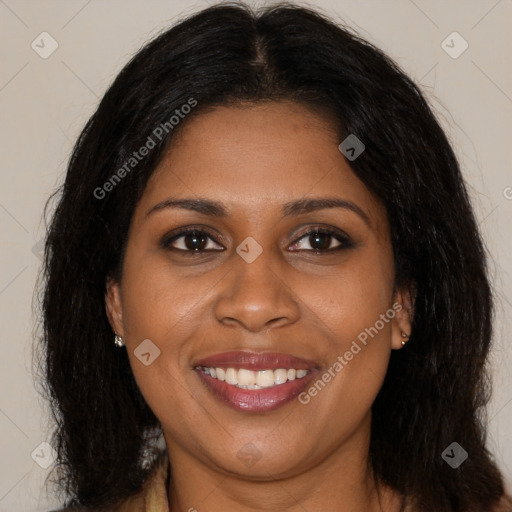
(341, 481)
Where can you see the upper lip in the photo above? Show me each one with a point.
(256, 361)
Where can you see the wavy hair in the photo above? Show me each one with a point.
(435, 389)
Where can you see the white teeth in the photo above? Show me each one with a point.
(245, 377)
(265, 378)
(231, 376)
(248, 379)
(280, 375)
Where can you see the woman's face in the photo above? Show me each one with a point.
(261, 291)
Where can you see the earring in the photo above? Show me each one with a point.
(406, 336)
(118, 341)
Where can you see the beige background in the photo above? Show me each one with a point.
(45, 102)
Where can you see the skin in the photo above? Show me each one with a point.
(254, 159)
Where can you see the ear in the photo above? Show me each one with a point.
(113, 306)
(403, 305)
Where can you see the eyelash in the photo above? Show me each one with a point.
(342, 238)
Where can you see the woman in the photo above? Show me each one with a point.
(264, 251)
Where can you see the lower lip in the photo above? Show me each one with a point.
(256, 400)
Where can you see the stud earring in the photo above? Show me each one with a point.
(406, 336)
(118, 341)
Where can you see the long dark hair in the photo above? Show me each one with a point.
(435, 388)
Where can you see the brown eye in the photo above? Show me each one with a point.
(322, 240)
(191, 240)
(195, 241)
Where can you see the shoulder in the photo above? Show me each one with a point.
(504, 505)
(153, 495)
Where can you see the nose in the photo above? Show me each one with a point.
(256, 296)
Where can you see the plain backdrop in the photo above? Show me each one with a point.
(44, 103)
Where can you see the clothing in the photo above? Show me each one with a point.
(153, 496)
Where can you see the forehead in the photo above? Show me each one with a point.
(256, 158)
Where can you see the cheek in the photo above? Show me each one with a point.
(354, 310)
(158, 302)
(352, 298)
(159, 307)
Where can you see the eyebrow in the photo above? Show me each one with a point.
(298, 207)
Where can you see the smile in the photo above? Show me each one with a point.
(255, 382)
(248, 379)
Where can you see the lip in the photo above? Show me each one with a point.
(255, 400)
(256, 361)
